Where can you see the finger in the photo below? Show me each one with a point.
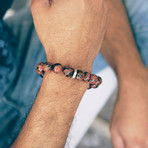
(117, 141)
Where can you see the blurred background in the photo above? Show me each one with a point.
(98, 135)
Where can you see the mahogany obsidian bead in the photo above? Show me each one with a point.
(68, 71)
(99, 82)
(93, 79)
(80, 75)
(86, 77)
(40, 68)
(47, 67)
(57, 68)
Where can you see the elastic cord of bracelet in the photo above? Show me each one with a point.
(93, 80)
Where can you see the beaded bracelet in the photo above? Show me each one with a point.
(93, 80)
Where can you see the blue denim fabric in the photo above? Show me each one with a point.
(7, 58)
(21, 85)
(19, 92)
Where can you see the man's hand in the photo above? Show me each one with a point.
(129, 127)
(71, 31)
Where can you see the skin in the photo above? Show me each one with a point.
(65, 30)
(129, 122)
(129, 125)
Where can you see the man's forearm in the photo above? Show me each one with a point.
(119, 47)
(52, 113)
(129, 120)
(66, 32)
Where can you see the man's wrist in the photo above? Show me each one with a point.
(64, 84)
(129, 72)
(72, 62)
(132, 77)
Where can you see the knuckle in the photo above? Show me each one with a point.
(117, 141)
(138, 143)
(113, 131)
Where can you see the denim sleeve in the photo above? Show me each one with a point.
(7, 58)
(20, 81)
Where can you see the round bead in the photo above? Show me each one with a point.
(68, 71)
(93, 79)
(99, 82)
(57, 68)
(80, 75)
(40, 68)
(86, 77)
(48, 67)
